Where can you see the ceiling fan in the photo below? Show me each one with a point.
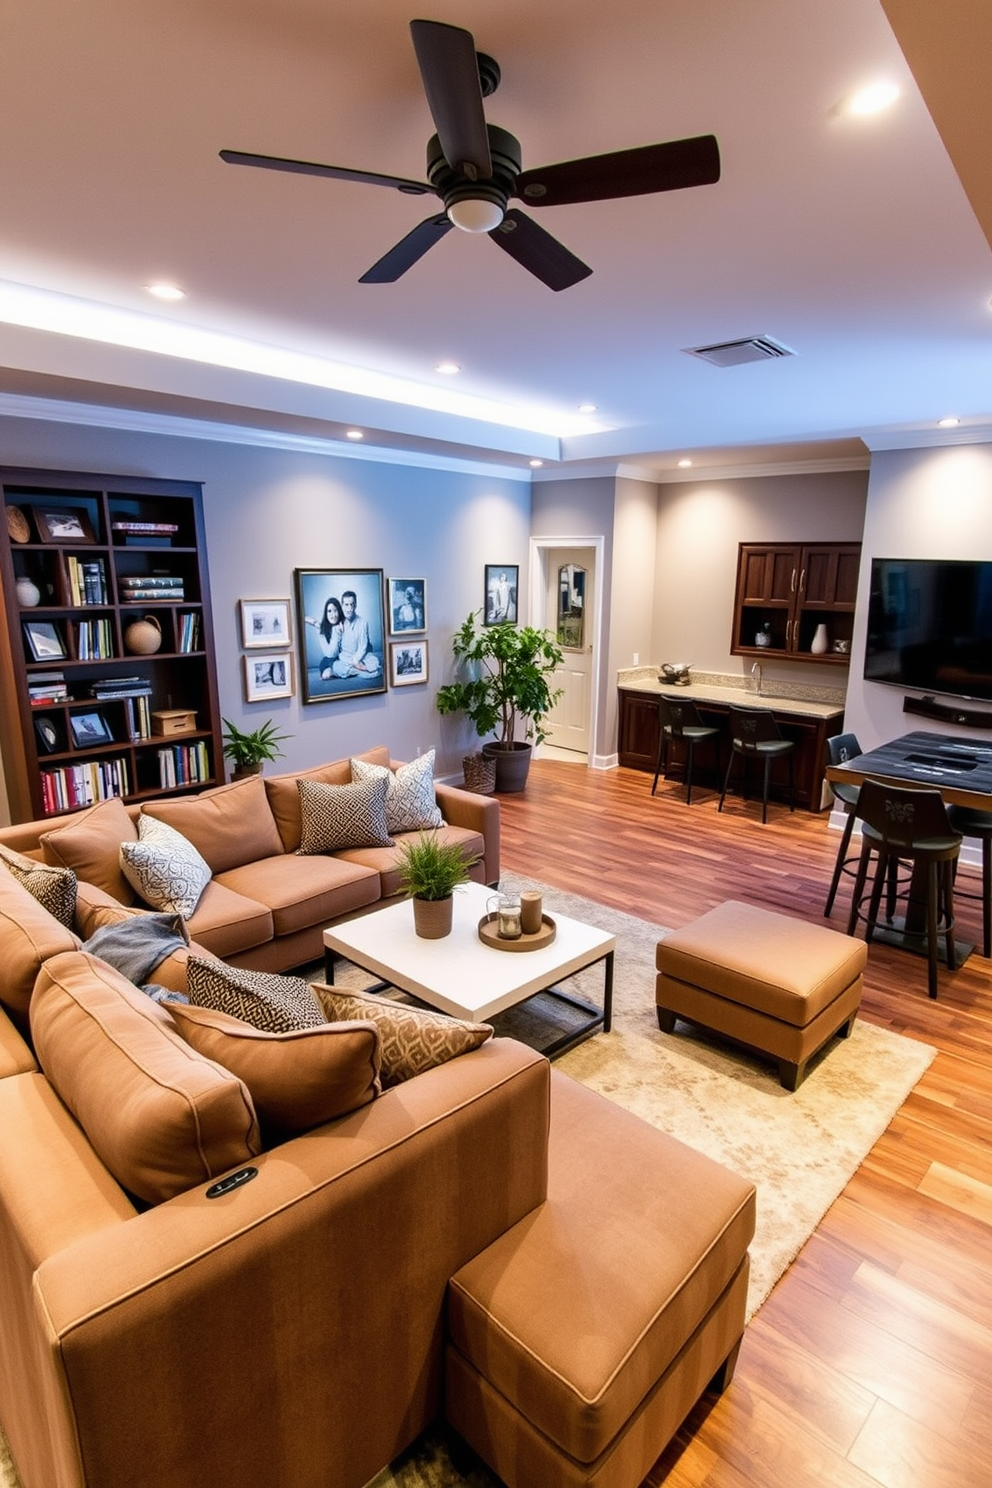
(475, 168)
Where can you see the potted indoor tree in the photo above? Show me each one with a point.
(429, 871)
(248, 751)
(506, 687)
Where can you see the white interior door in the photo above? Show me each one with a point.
(571, 577)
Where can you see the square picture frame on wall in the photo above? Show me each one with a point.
(269, 677)
(342, 633)
(407, 662)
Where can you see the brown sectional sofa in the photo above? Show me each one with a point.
(585, 1272)
(265, 907)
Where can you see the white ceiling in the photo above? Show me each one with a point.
(852, 242)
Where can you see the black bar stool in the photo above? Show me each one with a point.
(755, 734)
(840, 748)
(679, 719)
(977, 824)
(900, 824)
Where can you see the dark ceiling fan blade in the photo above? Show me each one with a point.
(406, 252)
(336, 172)
(536, 250)
(649, 168)
(450, 71)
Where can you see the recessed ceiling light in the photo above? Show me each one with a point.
(536, 464)
(684, 464)
(448, 369)
(587, 407)
(354, 434)
(948, 423)
(873, 98)
(163, 291)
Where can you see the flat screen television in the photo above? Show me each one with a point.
(930, 626)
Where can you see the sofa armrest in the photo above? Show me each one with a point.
(293, 1328)
(15, 1055)
(462, 808)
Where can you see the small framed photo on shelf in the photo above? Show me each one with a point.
(49, 738)
(89, 730)
(500, 597)
(407, 606)
(60, 524)
(265, 625)
(44, 640)
(268, 677)
(407, 663)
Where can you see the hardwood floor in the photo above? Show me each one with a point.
(870, 1363)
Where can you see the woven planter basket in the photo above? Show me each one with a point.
(480, 774)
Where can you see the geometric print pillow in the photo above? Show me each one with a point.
(410, 802)
(336, 816)
(411, 1039)
(275, 1004)
(164, 868)
(54, 888)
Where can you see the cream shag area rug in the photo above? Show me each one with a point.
(799, 1150)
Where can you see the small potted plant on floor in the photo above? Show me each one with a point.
(248, 751)
(429, 871)
(507, 685)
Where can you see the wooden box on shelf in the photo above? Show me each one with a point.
(173, 721)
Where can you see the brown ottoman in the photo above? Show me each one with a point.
(780, 986)
(581, 1338)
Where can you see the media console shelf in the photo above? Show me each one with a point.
(83, 559)
(951, 712)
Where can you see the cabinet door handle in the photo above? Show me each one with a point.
(792, 587)
(802, 581)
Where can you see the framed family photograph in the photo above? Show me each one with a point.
(342, 627)
(89, 730)
(268, 677)
(407, 606)
(501, 593)
(63, 525)
(407, 663)
(44, 640)
(265, 625)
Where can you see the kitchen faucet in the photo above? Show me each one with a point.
(756, 673)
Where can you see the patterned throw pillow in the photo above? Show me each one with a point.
(54, 888)
(336, 816)
(411, 1039)
(165, 869)
(276, 1004)
(410, 803)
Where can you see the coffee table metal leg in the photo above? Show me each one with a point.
(598, 1017)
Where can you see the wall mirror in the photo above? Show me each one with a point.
(571, 606)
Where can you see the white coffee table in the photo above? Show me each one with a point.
(462, 976)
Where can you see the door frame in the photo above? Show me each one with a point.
(540, 548)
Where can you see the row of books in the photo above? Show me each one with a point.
(83, 785)
(47, 687)
(183, 764)
(95, 640)
(138, 714)
(151, 586)
(87, 580)
(189, 632)
(147, 529)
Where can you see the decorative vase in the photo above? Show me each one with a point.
(143, 637)
(512, 765)
(28, 593)
(432, 917)
(820, 641)
(480, 774)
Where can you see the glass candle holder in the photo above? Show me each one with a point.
(505, 908)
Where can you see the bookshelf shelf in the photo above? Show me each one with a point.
(102, 553)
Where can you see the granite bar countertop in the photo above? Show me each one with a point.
(796, 698)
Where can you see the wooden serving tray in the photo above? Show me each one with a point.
(489, 935)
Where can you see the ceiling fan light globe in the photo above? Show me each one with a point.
(476, 215)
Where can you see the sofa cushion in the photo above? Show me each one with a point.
(28, 936)
(229, 825)
(90, 844)
(297, 1080)
(284, 795)
(163, 868)
(337, 816)
(276, 1004)
(54, 888)
(411, 1039)
(161, 1118)
(227, 922)
(410, 803)
(301, 892)
(386, 861)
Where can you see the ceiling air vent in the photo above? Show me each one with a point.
(735, 353)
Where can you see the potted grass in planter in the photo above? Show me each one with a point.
(429, 871)
(506, 688)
